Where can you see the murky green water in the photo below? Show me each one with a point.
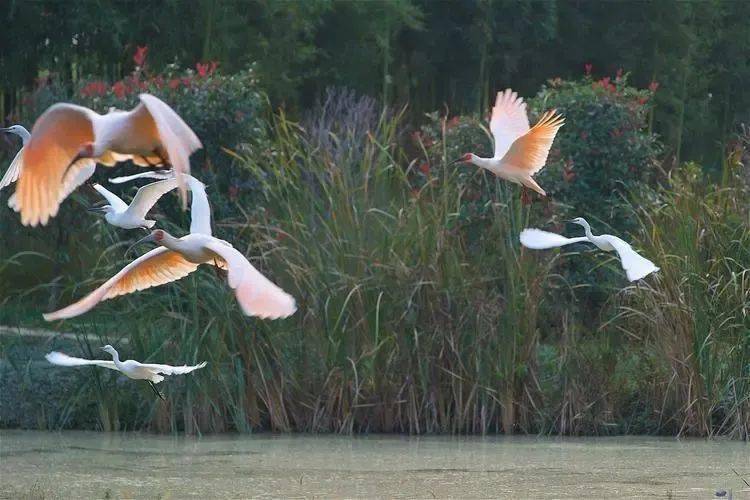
(87, 465)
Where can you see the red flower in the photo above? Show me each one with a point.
(174, 83)
(642, 100)
(452, 122)
(424, 167)
(653, 86)
(587, 68)
(97, 88)
(186, 81)
(139, 58)
(202, 69)
(120, 89)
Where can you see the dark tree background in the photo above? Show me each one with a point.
(422, 52)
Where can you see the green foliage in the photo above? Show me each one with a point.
(604, 149)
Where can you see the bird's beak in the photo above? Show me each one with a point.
(147, 239)
(102, 348)
(460, 160)
(6, 130)
(96, 210)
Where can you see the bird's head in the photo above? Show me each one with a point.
(108, 348)
(466, 158)
(156, 236)
(17, 130)
(580, 221)
(87, 151)
(13, 129)
(104, 209)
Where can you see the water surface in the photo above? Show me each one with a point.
(87, 465)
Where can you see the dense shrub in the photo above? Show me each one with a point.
(603, 149)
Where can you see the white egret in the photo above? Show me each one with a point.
(520, 151)
(152, 373)
(120, 214)
(11, 175)
(177, 257)
(68, 140)
(636, 267)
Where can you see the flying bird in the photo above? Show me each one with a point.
(175, 258)
(635, 266)
(520, 151)
(68, 140)
(152, 373)
(11, 175)
(133, 216)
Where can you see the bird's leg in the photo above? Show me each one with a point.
(217, 269)
(161, 396)
(525, 198)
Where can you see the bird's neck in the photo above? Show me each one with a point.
(24, 135)
(172, 243)
(116, 358)
(487, 163)
(587, 230)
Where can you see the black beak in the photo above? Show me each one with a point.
(146, 239)
(96, 210)
(456, 161)
(6, 130)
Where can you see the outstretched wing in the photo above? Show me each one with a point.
(62, 359)
(200, 211)
(178, 140)
(56, 140)
(509, 121)
(148, 195)
(151, 174)
(11, 175)
(78, 173)
(173, 370)
(636, 267)
(257, 295)
(541, 240)
(114, 200)
(529, 152)
(154, 268)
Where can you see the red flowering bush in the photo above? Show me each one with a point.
(227, 112)
(603, 149)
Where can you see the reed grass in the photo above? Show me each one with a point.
(416, 318)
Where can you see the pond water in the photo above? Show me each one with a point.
(88, 464)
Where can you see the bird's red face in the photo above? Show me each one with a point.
(464, 159)
(87, 150)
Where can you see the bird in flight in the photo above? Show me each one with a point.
(11, 175)
(68, 140)
(120, 214)
(152, 373)
(635, 266)
(175, 258)
(520, 151)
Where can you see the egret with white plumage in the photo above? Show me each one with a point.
(635, 266)
(133, 216)
(175, 258)
(68, 140)
(151, 372)
(11, 175)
